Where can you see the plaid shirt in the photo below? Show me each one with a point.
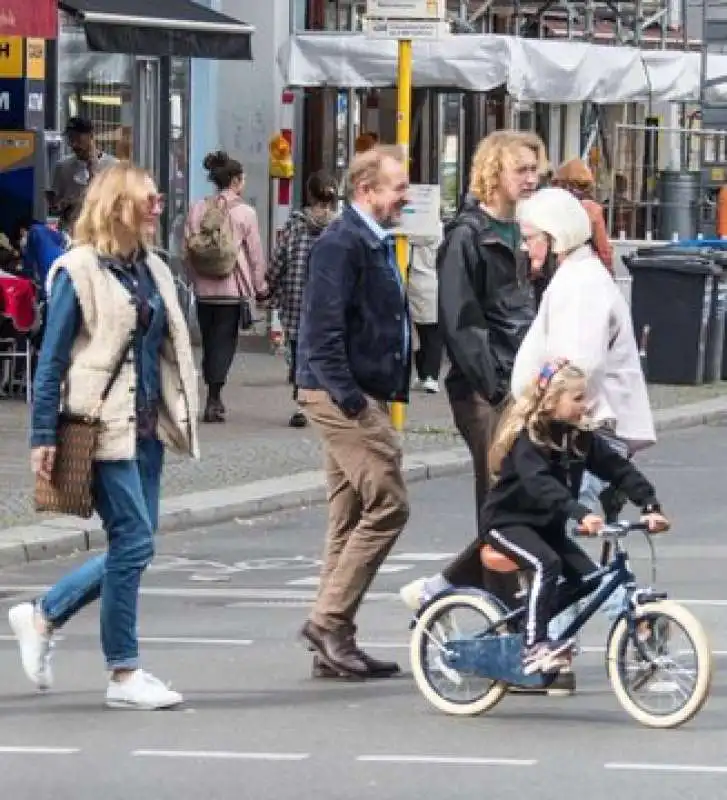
(287, 274)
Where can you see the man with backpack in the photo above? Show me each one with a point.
(485, 310)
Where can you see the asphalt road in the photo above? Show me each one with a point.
(221, 610)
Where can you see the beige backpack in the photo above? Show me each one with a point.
(211, 249)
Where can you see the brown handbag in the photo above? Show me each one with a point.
(69, 491)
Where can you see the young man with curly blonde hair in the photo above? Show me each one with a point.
(485, 310)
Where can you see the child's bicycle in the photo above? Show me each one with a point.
(469, 641)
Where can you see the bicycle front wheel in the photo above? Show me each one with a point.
(666, 681)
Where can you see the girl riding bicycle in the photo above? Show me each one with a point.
(541, 449)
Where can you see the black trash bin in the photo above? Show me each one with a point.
(674, 294)
(715, 366)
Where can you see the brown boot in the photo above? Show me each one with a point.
(336, 650)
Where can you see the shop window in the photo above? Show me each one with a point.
(97, 86)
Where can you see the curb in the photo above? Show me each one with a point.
(63, 536)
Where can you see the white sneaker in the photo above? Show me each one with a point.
(143, 691)
(415, 594)
(35, 647)
(430, 386)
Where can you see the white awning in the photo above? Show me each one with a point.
(539, 70)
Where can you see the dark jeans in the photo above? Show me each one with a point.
(126, 495)
(219, 325)
(428, 358)
(476, 420)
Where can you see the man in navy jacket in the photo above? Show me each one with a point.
(354, 357)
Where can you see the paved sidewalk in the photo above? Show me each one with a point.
(242, 459)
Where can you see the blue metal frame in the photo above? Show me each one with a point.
(498, 656)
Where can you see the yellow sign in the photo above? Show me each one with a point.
(35, 59)
(16, 149)
(11, 57)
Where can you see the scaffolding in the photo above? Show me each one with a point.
(643, 23)
(713, 115)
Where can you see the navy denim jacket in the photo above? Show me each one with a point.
(63, 323)
(354, 336)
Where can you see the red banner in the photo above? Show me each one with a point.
(29, 18)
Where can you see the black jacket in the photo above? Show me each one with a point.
(354, 331)
(485, 305)
(539, 487)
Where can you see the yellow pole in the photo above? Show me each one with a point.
(403, 125)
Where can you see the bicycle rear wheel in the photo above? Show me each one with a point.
(678, 664)
(455, 616)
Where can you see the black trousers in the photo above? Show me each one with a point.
(428, 358)
(548, 560)
(219, 325)
(476, 420)
(293, 365)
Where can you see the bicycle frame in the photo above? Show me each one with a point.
(621, 574)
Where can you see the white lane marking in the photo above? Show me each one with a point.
(194, 640)
(707, 603)
(191, 640)
(220, 754)
(313, 580)
(689, 768)
(269, 594)
(422, 556)
(40, 751)
(456, 760)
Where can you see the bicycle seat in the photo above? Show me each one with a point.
(496, 561)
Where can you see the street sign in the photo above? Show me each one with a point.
(405, 29)
(422, 214)
(407, 9)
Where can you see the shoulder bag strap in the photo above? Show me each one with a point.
(115, 372)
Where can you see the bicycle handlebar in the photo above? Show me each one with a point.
(621, 529)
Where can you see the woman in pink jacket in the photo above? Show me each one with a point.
(219, 299)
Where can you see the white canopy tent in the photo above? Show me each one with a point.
(533, 70)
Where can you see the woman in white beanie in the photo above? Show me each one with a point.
(584, 318)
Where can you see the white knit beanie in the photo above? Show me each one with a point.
(558, 213)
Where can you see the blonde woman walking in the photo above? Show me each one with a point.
(112, 301)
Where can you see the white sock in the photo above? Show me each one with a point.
(437, 583)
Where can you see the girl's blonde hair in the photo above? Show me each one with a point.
(113, 209)
(492, 154)
(533, 411)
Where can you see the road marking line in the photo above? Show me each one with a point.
(457, 760)
(194, 640)
(585, 649)
(313, 580)
(690, 768)
(268, 593)
(422, 556)
(220, 754)
(39, 751)
(191, 640)
(390, 569)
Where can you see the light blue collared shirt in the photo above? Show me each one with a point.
(387, 239)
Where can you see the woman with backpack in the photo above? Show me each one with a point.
(288, 272)
(226, 263)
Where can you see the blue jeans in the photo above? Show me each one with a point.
(590, 491)
(126, 495)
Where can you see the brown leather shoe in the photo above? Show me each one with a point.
(377, 669)
(336, 650)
